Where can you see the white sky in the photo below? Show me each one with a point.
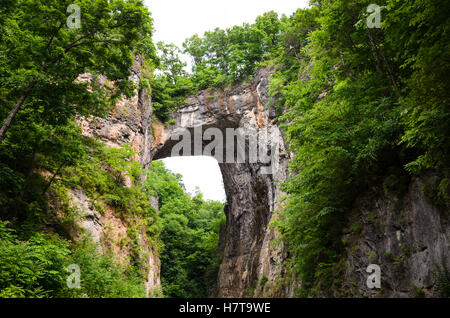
(176, 20)
(201, 172)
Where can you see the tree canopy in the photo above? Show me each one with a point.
(41, 57)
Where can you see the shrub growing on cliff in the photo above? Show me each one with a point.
(34, 267)
(102, 276)
(442, 280)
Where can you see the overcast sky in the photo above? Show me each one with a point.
(176, 20)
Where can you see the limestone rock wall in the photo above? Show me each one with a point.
(129, 122)
(403, 233)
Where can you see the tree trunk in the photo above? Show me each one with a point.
(27, 90)
(53, 178)
(375, 49)
(16, 108)
(29, 171)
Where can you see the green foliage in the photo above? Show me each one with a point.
(102, 276)
(437, 191)
(223, 57)
(101, 174)
(418, 292)
(356, 228)
(170, 83)
(220, 58)
(37, 267)
(442, 277)
(189, 236)
(31, 268)
(264, 279)
(41, 58)
(41, 146)
(356, 106)
(418, 31)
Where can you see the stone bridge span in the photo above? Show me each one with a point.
(252, 193)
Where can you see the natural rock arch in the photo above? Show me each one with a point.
(249, 255)
(252, 195)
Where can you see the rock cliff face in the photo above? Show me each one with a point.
(401, 231)
(129, 122)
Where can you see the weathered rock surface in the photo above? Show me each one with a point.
(129, 122)
(403, 233)
(90, 219)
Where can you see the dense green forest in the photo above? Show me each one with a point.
(357, 104)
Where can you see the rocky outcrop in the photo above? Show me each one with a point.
(399, 229)
(89, 218)
(128, 123)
